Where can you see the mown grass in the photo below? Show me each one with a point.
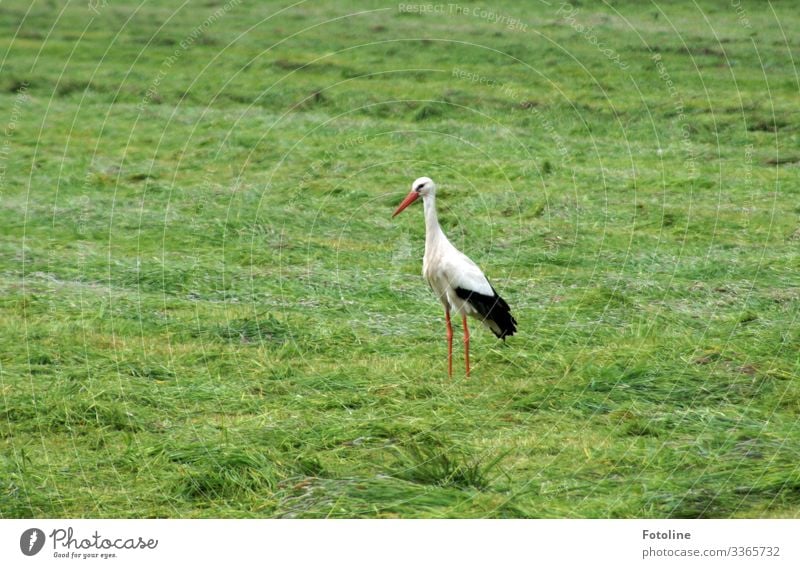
(207, 311)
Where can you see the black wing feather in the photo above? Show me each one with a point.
(492, 309)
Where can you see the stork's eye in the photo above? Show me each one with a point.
(419, 187)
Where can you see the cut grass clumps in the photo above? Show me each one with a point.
(222, 471)
(429, 111)
(247, 330)
(429, 462)
(233, 470)
(74, 416)
(72, 413)
(708, 497)
(388, 497)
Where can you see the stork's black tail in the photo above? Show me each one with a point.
(493, 310)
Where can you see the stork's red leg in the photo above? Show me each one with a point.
(449, 344)
(466, 342)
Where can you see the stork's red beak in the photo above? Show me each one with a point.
(410, 198)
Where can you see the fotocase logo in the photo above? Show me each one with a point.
(31, 542)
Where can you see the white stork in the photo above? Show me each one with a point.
(455, 279)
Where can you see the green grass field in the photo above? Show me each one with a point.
(207, 310)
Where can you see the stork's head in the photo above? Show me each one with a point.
(421, 187)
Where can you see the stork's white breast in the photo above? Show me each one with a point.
(446, 268)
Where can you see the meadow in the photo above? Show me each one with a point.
(207, 310)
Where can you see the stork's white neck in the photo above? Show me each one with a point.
(433, 232)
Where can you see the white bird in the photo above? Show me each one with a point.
(455, 279)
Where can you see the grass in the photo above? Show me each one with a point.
(208, 312)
